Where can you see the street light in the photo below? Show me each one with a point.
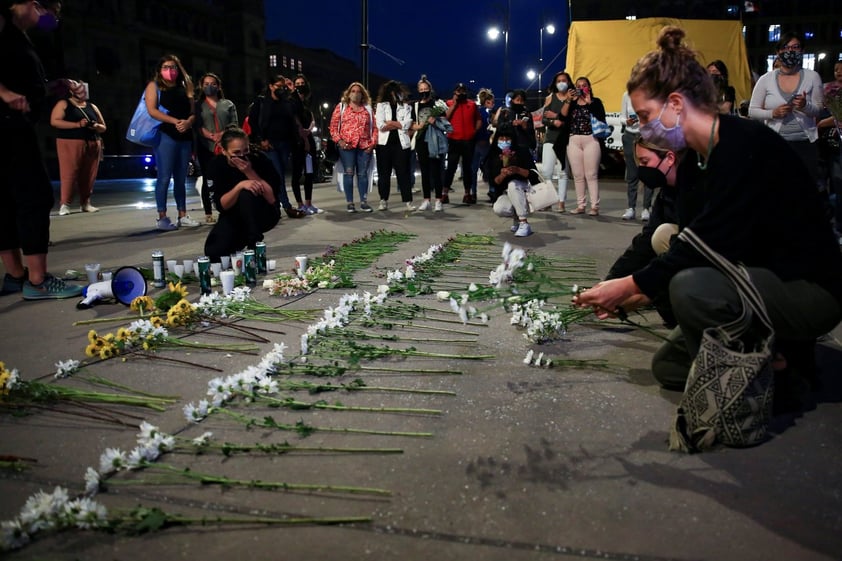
(551, 30)
(494, 33)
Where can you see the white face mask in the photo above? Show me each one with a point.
(561, 86)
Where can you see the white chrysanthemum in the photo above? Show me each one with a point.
(66, 368)
(13, 380)
(113, 459)
(12, 535)
(273, 357)
(147, 432)
(196, 413)
(137, 457)
(219, 391)
(304, 339)
(383, 289)
(443, 295)
(92, 482)
(410, 272)
(40, 510)
(86, 514)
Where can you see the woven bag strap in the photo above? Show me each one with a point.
(738, 274)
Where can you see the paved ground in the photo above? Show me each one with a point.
(523, 463)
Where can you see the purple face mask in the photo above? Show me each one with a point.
(47, 22)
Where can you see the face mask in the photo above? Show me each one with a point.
(462, 96)
(561, 86)
(424, 95)
(210, 91)
(791, 59)
(653, 178)
(47, 22)
(303, 89)
(169, 74)
(517, 107)
(504, 144)
(655, 132)
(356, 97)
(718, 80)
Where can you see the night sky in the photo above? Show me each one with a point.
(444, 39)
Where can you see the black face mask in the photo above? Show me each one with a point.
(653, 178)
(424, 95)
(461, 96)
(517, 107)
(303, 89)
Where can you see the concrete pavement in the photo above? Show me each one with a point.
(523, 463)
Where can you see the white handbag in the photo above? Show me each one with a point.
(541, 195)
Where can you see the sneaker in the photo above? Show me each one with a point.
(425, 205)
(165, 224)
(437, 208)
(88, 207)
(515, 226)
(209, 219)
(629, 214)
(187, 222)
(364, 206)
(13, 284)
(50, 288)
(409, 207)
(645, 215)
(523, 230)
(351, 207)
(64, 210)
(310, 209)
(384, 205)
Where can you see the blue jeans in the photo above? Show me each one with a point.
(279, 156)
(480, 152)
(171, 158)
(356, 162)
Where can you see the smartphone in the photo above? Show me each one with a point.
(633, 117)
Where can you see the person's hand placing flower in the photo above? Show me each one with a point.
(612, 297)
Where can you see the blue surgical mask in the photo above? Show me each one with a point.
(504, 144)
(561, 86)
(47, 22)
(655, 132)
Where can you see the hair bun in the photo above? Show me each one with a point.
(671, 38)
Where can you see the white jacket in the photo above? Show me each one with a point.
(383, 113)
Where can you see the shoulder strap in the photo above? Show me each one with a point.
(738, 274)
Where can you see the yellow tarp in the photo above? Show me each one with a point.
(606, 51)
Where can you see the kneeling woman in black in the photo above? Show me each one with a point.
(244, 188)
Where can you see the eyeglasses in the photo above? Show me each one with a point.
(795, 47)
(239, 154)
(169, 67)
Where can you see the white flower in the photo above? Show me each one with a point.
(528, 358)
(196, 413)
(383, 289)
(137, 457)
(268, 284)
(575, 289)
(473, 287)
(323, 284)
(410, 272)
(304, 338)
(538, 359)
(483, 317)
(65, 368)
(202, 440)
(147, 432)
(86, 514)
(113, 459)
(91, 482)
(443, 295)
(12, 535)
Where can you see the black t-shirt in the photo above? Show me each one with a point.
(225, 177)
(21, 71)
(275, 119)
(177, 104)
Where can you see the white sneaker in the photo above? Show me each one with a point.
(409, 207)
(64, 210)
(437, 208)
(523, 230)
(88, 207)
(425, 205)
(645, 215)
(629, 214)
(187, 222)
(384, 205)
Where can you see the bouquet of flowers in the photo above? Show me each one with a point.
(833, 100)
(506, 156)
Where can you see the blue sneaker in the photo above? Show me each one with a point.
(52, 288)
(13, 284)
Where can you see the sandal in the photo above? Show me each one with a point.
(579, 210)
(593, 212)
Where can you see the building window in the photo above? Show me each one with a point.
(770, 62)
(809, 61)
(292, 63)
(285, 62)
(273, 61)
(774, 33)
(300, 66)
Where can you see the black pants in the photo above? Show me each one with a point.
(205, 156)
(299, 169)
(703, 297)
(25, 191)
(389, 157)
(431, 170)
(241, 226)
(456, 150)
